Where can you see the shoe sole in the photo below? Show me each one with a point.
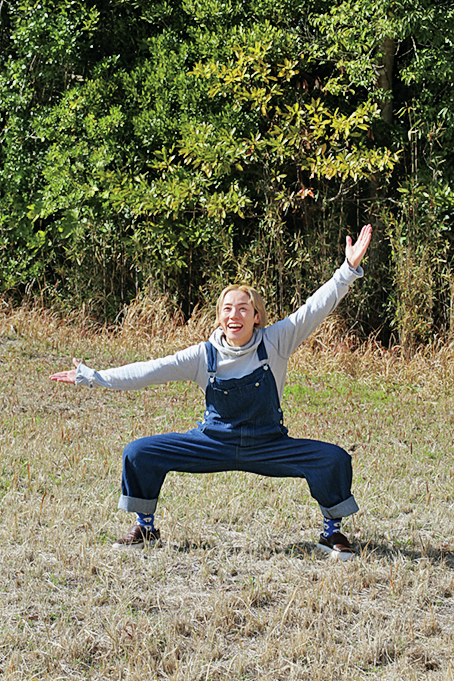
(336, 555)
(129, 547)
(137, 545)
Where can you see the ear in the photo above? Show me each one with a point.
(256, 318)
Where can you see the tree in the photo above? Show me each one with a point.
(185, 143)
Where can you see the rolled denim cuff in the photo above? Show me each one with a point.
(136, 505)
(341, 510)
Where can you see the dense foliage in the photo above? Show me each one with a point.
(175, 145)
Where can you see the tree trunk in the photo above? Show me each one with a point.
(385, 77)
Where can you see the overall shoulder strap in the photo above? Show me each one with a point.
(211, 357)
(261, 351)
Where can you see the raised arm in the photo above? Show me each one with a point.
(287, 334)
(66, 376)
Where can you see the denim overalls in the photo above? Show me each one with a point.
(242, 430)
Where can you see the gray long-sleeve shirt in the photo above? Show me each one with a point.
(281, 340)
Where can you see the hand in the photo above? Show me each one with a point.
(66, 376)
(355, 252)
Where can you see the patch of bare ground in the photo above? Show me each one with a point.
(237, 590)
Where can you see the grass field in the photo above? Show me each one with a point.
(237, 590)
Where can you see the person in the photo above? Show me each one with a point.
(242, 369)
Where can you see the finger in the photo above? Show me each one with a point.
(365, 236)
(61, 377)
(66, 378)
(75, 362)
(366, 232)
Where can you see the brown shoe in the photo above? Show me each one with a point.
(337, 545)
(137, 538)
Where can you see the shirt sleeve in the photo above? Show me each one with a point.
(287, 334)
(185, 365)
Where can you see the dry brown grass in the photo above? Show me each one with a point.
(237, 591)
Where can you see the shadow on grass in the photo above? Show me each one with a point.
(306, 550)
(383, 549)
(378, 549)
(303, 550)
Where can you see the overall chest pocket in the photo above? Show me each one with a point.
(251, 399)
(236, 392)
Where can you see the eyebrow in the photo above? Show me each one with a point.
(245, 302)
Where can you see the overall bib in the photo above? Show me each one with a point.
(242, 430)
(242, 411)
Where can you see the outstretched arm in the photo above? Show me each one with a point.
(355, 252)
(66, 376)
(184, 365)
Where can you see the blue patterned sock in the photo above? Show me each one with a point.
(331, 525)
(146, 520)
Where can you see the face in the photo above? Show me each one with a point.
(237, 318)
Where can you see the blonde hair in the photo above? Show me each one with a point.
(254, 297)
